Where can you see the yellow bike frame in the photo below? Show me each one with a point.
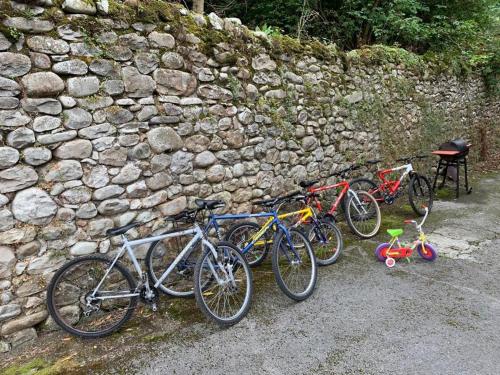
(305, 214)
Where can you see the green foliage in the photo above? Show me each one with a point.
(269, 30)
(463, 35)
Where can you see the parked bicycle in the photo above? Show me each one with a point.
(388, 190)
(93, 296)
(293, 260)
(389, 251)
(324, 235)
(361, 209)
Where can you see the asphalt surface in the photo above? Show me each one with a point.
(418, 318)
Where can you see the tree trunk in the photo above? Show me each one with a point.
(198, 6)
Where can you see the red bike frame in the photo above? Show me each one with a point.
(390, 186)
(345, 188)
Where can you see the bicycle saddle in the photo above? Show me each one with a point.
(306, 184)
(121, 230)
(209, 204)
(373, 161)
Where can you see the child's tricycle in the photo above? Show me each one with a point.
(388, 252)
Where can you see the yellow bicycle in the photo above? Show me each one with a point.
(324, 236)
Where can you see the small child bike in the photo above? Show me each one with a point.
(388, 252)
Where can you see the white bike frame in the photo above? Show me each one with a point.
(408, 169)
(128, 247)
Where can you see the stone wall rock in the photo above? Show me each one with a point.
(134, 122)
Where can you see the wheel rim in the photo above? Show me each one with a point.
(367, 186)
(364, 214)
(328, 247)
(296, 268)
(73, 303)
(287, 207)
(180, 281)
(225, 300)
(241, 237)
(421, 194)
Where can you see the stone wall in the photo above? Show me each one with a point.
(100, 126)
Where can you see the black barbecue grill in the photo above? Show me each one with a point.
(452, 155)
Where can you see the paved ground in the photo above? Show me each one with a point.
(418, 318)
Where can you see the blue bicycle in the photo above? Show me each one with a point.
(293, 260)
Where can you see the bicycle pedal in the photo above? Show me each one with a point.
(154, 307)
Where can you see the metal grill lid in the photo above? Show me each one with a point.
(458, 144)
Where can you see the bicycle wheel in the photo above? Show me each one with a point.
(70, 302)
(420, 194)
(294, 264)
(223, 284)
(363, 214)
(427, 251)
(241, 234)
(290, 206)
(161, 254)
(327, 243)
(367, 185)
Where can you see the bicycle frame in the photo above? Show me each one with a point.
(346, 190)
(128, 248)
(273, 219)
(422, 238)
(392, 186)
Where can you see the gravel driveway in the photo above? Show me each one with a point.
(418, 318)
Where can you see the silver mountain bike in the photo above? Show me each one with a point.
(93, 296)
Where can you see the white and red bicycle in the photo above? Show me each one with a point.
(390, 187)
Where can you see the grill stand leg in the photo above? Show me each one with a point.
(467, 189)
(457, 187)
(445, 174)
(437, 175)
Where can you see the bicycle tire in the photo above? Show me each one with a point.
(253, 256)
(418, 184)
(353, 218)
(365, 184)
(154, 276)
(279, 246)
(202, 291)
(54, 309)
(312, 234)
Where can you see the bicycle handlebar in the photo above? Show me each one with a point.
(346, 170)
(410, 158)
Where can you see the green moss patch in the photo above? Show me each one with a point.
(40, 366)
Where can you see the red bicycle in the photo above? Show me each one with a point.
(419, 188)
(361, 209)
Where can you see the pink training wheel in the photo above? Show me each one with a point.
(390, 262)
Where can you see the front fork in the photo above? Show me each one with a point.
(227, 271)
(352, 193)
(289, 240)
